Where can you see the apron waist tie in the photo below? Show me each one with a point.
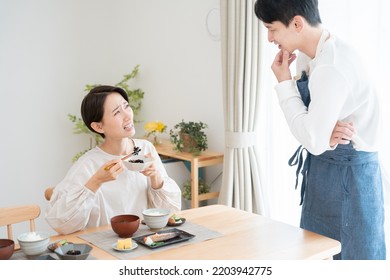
(303, 168)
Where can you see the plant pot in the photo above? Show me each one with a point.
(188, 143)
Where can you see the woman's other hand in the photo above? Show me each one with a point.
(152, 172)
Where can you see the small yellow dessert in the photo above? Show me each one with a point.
(128, 243)
(120, 244)
(124, 243)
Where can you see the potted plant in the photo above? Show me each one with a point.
(189, 137)
(135, 100)
(203, 188)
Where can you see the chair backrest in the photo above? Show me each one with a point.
(18, 214)
(48, 193)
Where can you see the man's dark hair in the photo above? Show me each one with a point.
(284, 11)
(92, 106)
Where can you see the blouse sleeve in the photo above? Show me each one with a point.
(169, 195)
(71, 204)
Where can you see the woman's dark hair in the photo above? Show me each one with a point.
(269, 11)
(92, 106)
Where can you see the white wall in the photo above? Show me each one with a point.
(49, 50)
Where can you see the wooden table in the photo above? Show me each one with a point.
(206, 158)
(245, 236)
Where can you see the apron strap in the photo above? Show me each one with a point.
(297, 158)
(303, 168)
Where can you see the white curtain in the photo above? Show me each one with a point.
(241, 185)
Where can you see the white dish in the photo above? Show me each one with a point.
(138, 166)
(133, 246)
(156, 218)
(34, 243)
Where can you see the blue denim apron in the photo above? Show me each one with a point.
(342, 196)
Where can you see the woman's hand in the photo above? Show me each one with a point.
(281, 65)
(104, 174)
(154, 175)
(342, 133)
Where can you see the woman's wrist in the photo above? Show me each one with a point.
(156, 182)
(93, 184)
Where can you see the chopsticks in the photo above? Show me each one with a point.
(134, 153)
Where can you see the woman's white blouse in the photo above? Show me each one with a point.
(340, 90)
(74, 207)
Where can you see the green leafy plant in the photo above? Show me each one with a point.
(135, 100)
(203, 188)
(189, 137)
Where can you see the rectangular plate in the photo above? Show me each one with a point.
(183, 236)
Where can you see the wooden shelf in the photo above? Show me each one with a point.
(206, 158)
(207, 196)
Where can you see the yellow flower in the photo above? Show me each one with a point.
(160, 127)
(150, 126)
(153, 127)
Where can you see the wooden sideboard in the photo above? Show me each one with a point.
(206, 158)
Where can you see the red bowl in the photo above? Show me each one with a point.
(7, 247)
(125, 225)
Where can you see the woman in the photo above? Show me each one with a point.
(99, 186)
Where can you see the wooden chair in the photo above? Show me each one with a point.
(18, 214)
(48, 193)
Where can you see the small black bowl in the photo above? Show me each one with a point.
(73, 251)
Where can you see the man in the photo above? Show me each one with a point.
(332, 109)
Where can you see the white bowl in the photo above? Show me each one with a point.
(133, 165)
(34, 243)
(156, 218)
